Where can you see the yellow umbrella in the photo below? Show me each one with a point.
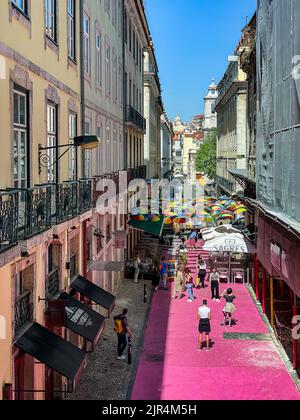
(241, 210)
(169, 221)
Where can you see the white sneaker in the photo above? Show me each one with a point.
(122, 358)
(190, 300)
(214, 300)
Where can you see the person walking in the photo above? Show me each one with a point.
(122, 329)
(202, 271)
(214, 280)
(204, 317)
(229, 309)
(178, 283)
(136, 265)
(163, 273)
(190, 286)
(155, 276)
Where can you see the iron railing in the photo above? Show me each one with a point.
(37, 210)
(225, 183)
(9, 211)
(132, 116)
(66, 201)
(85, 195)
(23, 311)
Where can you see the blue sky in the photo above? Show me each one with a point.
(193, 39)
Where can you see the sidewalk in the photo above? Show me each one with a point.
(107, 378)
(237, 368)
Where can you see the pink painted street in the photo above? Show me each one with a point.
(171, 368)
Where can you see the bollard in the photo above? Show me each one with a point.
(145, 294)
(129, 351)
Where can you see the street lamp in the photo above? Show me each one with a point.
(84, 142)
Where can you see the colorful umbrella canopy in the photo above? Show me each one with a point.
(180, 220)
(137, 217)
(169, 221)
(226, 216)
(240, 210)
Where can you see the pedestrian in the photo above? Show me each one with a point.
(204, 317)
(190, 286)
(136, 265)
(163, 269)
(214, 280)
(202, 271)
(122, 330)
(229, 308)
(155, 276)
(178, 283)
(192, 239)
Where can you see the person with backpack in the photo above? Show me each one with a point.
(122, 330)
(163, 269)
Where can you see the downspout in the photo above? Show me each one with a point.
(124, 88)
(82, 82)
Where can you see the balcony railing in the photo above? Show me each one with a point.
(132, 116)
(67, 201)
(225, 183)
(23, 311)
(37, 210)
(85, 195)
(9, 210)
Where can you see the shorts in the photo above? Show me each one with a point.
(204, 326)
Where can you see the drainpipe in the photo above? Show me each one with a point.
(295, 341)
(82, 82)
(124, 87)
(85, 250)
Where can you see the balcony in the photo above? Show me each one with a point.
(66, 201)
(225, 184)
(85, 195)
(135, 119)
(23, 311)
(73, 266)
(9, 211)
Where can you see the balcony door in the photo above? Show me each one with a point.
(21, 136)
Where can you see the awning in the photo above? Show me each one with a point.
(94, 293)
(51, 350)
(240, 175)
(107, 266)
(154, 228)
(82, 320)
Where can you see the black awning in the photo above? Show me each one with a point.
(82, 320)
(51, 350)
(94, 293)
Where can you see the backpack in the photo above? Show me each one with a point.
(118, 328)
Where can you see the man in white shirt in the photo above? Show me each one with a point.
(204, 317)
(136, 265)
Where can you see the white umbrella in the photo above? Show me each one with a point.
(210, 234)
(233, 243)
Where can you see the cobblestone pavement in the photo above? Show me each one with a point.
(107, 378)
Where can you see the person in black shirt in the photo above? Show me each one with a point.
(229, 309)
(122, 336)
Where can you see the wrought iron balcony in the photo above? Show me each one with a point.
(85, 195)
(9, 211)
(133, 117)
(23, 311)
(225, 183)
(66, 201)
(52, 285)
(37, 210)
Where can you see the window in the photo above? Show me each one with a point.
(51, 141)
(100, 149)
(72, 155)
(98, 58)
(87, 47)
(50, 19)
(114, 13)
(108, 164)
(22, 5)
(133, 42)
(130, 37)
(71, 29)
(20, 139)
(107, 69)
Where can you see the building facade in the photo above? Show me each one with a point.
(153, 111)
(167, 135)
(277, 169)
(69, 72)
(231, 107)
